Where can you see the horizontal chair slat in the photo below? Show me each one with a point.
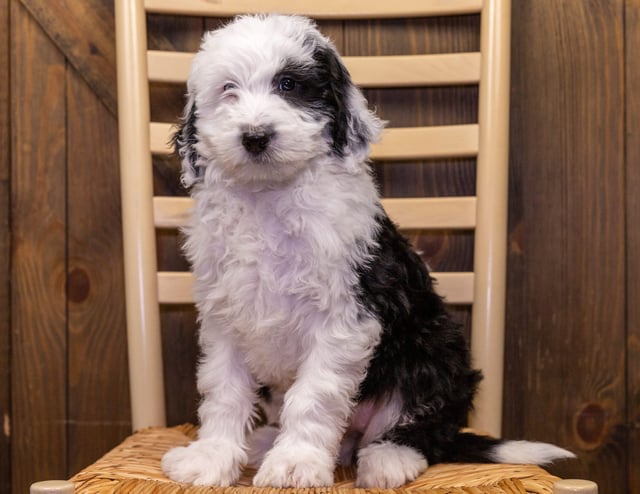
(414, 70)
(367, 72)
(326, 9)
(406, 143)
(442, 141)
(171, 212)
(409, 213)
(432, 213)
(177, 287)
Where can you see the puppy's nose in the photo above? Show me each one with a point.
(256, 141)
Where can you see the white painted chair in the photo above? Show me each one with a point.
(135, 464)
(486, 212)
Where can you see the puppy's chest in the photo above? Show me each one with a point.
(276, 262)
(282, 251)
(281, 281)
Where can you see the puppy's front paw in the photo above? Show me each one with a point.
(204, 462)
(299, 467)
(387, 465)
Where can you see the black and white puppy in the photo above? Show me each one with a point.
(308, 296)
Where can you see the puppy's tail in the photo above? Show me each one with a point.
(473, 448)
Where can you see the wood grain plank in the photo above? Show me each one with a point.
(98, 396)
(84, 32)
(632, 195)
(5, 249)
(38, 220)
(565, 309)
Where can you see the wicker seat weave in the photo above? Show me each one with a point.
(134, 467)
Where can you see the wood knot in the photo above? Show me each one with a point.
(590, 425)
(78, 285)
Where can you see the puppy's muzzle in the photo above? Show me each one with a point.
(256, 141)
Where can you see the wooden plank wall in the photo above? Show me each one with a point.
(69, 385)
(38, 260)
(573, 319)
(566, 308)
(5, 247)
(632, 169)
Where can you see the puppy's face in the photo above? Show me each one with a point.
(268, 97)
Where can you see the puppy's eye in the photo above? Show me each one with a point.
(228, 86)
(286, 84)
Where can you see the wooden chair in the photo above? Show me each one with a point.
(134, 466)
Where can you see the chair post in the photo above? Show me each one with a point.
(487, 339)
(143, 317)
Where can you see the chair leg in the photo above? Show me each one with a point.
(574, 486)
(52, 487)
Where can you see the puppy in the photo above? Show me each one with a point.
(308, 296)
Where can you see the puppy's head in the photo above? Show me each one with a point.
(268, 96)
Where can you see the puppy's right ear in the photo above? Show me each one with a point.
(184, 141)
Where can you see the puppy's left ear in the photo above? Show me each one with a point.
(354, 127)
(184, 141)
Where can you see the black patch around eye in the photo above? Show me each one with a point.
(301, 86)
(320, 87)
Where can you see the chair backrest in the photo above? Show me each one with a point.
(487, 140)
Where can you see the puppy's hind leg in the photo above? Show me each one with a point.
(387, 465)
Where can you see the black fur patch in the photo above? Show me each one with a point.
(321, 87)
(423, 355)
(185, 139)
(336, 98)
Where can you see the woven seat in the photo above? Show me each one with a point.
(134, 467)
